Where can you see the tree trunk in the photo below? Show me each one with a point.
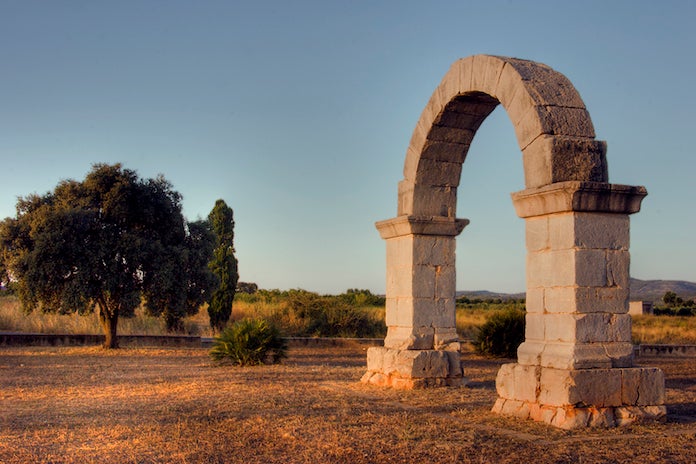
(108, 318)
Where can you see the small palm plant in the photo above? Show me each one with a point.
(249, 342)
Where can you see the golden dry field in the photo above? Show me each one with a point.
(84, 405)
(646, 329)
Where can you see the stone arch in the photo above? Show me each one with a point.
(575, 367)
(553, 129)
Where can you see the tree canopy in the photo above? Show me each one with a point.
(110, 243)
(223, 265)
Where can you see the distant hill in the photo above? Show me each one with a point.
(645, 290)
(487, 295)
(654, 290)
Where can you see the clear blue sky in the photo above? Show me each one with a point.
(299, 114)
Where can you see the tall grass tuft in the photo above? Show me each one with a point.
(501, 334)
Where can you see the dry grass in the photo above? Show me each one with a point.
(646, 329)
(81, 405)
(12, 319)
(664, 329)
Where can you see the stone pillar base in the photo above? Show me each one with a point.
(575, 398)
(409, 369)
(572, 417)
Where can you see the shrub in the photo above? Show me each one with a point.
(685, 311)
(332, 316)
(501, 334)
(249, 342)
(662, 311)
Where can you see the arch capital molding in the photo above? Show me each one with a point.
(577, 196)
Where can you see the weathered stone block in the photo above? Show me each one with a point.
(535, 300)
(454, 358)
(652, 387)
(567, 355)
(428, 200)
(485, 73)
(568, 122)
(444, 151)
(560, 299)
(515, 408)
(617, 273)
(445, 282)
(642, 386)
(601, 417)
(446, 338)
(578, 328)
(555, 158)
(603, 327)
(445, 313)
(590, 268)
(409, 338)
(560, 327)
(375, 358)
(537, 233)
(505, 381)
(417, 312)
(534, 326)
(620, 353)
(586, 299)
(521, 110)
(422, 364)
(589, 231)
(399, 282)
(413, 368)
(461, 136)
(586, 387)
(529, 352)
(392, 316)
(630, 381)
(539, 266)
(527, 384)
(434, 250)
(570, 418)
(627, 415)
(509, 84)
(456, 81)
(440, 173)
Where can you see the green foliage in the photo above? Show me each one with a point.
(490, 303)
(685, 311)
(674, 305)
(501, 334)
(223, 265)
(332, 316)
(110, 242)
(361, 297)
(249, 342)
(247, 287)
(671, 299)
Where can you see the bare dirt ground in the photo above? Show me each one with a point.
(77, 405)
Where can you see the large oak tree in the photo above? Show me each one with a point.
(110, 243)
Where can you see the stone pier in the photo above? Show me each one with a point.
(421, 348)
(575, 367)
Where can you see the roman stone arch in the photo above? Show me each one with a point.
(575, 367)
